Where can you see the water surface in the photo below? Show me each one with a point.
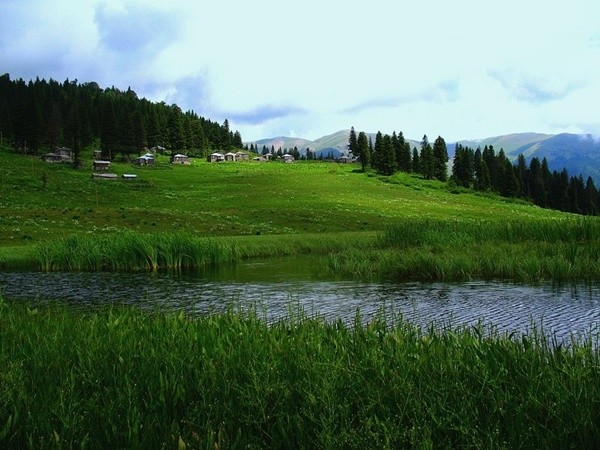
(282, 289)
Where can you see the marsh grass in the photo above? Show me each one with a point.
(525, 251)
(130, 251)
(123, 378)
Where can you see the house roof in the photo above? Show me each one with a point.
(179, 155)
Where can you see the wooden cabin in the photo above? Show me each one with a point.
(180, 159)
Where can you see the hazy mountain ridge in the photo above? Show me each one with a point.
(578, 153)
(335, 143)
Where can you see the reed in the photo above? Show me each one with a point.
(129, 251)
(529, 251)
(123, 378)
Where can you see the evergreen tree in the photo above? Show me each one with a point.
(427, 159)
(590, 205)
(377, 149)
(352, 143)
(416, 161)
(403, 154)
(362, 148)
(387, 158)
(440, 159)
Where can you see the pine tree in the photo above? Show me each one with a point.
(362, 148)
(387, 158)
(352, 143)
(440, 162)
(427, 159)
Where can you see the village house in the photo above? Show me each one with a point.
(230, 156)
(52, 158)
(180, 159)
(104, 176)
(216, 157)
(101, 165)
(241, 156)
(344, 159)
(145, 160)
(60, 154)
(287, 158)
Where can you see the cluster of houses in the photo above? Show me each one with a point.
(59, 155)
(218, 157)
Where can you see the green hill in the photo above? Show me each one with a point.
(41, 201)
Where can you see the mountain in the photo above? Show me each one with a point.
(336, 143)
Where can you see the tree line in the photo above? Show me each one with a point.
(42, 114)
(481, 170)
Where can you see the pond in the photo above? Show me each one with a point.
(278, 288)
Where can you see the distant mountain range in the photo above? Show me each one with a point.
(578, 153)
(335, 144)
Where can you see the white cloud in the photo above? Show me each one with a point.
(459, 69)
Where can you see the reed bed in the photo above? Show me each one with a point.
(130, 251)
(123, 378)
(428, 250)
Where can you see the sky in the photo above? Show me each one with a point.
(460, 69)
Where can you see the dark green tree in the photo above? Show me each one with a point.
(427, 159)
(440, 159)
(363, 151)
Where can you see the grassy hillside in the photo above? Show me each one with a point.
(225, 199)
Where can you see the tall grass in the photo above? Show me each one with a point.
(122, 378)
(525, 251)
(130, 251)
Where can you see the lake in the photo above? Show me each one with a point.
(278, 288)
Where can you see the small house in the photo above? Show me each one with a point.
(65, 153)
(241, 156)
(230, 156)
(101, 165)
(104, 176)
(129, 176)
(52, 158)
(344, 159)
(216, 157)
(287, 158)
(145, 160)
(97, 154)
(259, 159)
(180, 159)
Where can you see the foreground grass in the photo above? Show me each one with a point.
(121, 378)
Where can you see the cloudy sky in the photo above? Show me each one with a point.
(460, 69)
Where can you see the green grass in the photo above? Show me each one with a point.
(525, 251)
(122, 378)
(225, 200)
(192, 216)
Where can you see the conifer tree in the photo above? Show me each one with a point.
(440, 162)
(362, 149)
(427, 159)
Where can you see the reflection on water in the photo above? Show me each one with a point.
(277, 292)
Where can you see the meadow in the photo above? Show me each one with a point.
(123, 378)
(173, 216)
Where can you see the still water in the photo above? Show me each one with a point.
(278, 289)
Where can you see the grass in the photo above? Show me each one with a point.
(234, 199)
(122, 378)
(524, 251)
(206, 214)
